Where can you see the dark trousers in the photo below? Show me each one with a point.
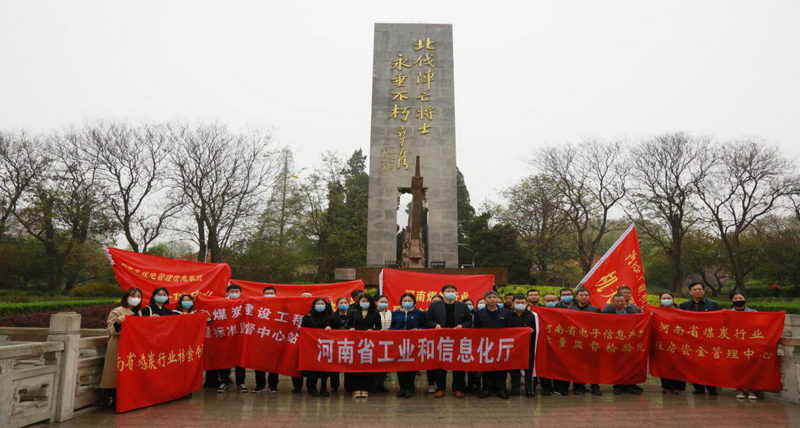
(547, 384)
(334, 377)
(297, 383)
(516, 380)
(406, 380)
(577, 386)
(561, 386)
(675, 385)
(311, 380)
(363, 381)
(494, 381)
(459, 381)
(225, 375)
(473, 381)
(261, 380)
(701, 388)
(431, 377)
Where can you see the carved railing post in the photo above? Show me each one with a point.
(66, 327)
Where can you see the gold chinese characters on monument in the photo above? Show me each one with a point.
(404, 102)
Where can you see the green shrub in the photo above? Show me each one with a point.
(96, 289)
(7, 309)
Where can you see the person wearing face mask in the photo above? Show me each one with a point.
(550, 301)
(739, 304)
(621, 308)
(432, 374)
(158, 304)
(449, 313)
(582, 304)
(670, 386)
(493, 316)
(130, 305)
(408, 317)
(699, 303)
(341, 310)
(320, 317)
(262, 380)
(386, 321)
(364, 318)
(474, 378)
(522, 317)
(565, 302)
(470, 305)
(234, 291)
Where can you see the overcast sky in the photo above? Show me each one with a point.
(525, 76)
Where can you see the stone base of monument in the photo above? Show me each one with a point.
(370, 275)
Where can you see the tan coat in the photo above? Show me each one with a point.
(109, 379)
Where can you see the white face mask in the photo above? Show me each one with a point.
(234, 295)
(134, 301)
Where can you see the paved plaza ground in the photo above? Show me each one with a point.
(233, 409)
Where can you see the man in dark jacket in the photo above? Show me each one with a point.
(582, 304)
(565, 301)
(630, 307)
(620, 308)
(449, 314)
(493, 316)
(699, 303)
(522, 317)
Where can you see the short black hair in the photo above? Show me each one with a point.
(734, 293)
(691, 285)
(624, 287)
(372, 307)
(583, 289)
(532, 290)
(327, 310)
(510, 294)
(666, 292)
(467, 300)
(380, 296)
(411, 295)
(269, 288)
(356, 293)
(446, 286)
(618, 295)
(561, 292)
(233, 287)
(520, 296)
(489, 293)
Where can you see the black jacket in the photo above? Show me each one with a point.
(320, 320)
(630, 307)
(485, 318)
(525, 319)
(437, 314)
(341, 318)
(152, 309)
(357, 321)
(704, 305)
(587, 308)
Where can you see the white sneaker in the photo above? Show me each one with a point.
(752, 397)
(740, 395)
(431, 389)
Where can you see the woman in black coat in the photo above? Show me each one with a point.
(322, 317)
(364, 317)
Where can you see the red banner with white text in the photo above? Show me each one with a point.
(255, 332)
(722, 348)
(424, 286)
(148, 272)
(160, 359)
(620, 265)
(474, 350)
(592, 348)
(330, 291)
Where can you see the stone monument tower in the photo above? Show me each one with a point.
(412, 115)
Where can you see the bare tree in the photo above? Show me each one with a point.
(223, 177)
(22, 161)
(745, 181)
(591, 179)
(535, 210)
(664, 172)
(134, 162)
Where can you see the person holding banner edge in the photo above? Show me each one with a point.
(449, 313)
(130, 305)
(158, 304)
(320, 317)
(522, 317)
(408, 317)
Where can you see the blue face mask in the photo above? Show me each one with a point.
(382, 306)
(566, 299)
(408, 305)
(343, 306)
(364, 305)
(500, 305)
(666, 302)
(187, 304)
(550, 304)
(450, 295)
(519, 307)
(471, 307)
(161, 299)
(319, 308)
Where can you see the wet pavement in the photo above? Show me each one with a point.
(207, 408)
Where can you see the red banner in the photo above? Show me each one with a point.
(160, 359)
(473, 350)
(721, 348)
(255, 332)
(148, 272)
(424, 286)
(592, 348)
(330, 291)
(620, 265)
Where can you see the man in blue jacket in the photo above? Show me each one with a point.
(449, 313)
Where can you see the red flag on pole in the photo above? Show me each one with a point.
(620, 265)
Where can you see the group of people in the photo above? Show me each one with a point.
(445, 311)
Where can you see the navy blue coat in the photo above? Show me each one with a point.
(402, 320)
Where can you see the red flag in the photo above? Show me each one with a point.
(222, 339)
(160, 359)
(620, 265)
(330, 291)
(394, 283)
(473, 350)
(592, 348)
(148, 272)
(270, 332)
(722, 348)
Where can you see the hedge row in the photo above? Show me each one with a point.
(7, 309)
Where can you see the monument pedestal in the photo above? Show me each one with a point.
(371, 275)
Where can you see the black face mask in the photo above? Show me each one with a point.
(739, 303)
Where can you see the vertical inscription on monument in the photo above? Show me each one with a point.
(412, 115)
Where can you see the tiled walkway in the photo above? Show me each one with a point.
(233, 409)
